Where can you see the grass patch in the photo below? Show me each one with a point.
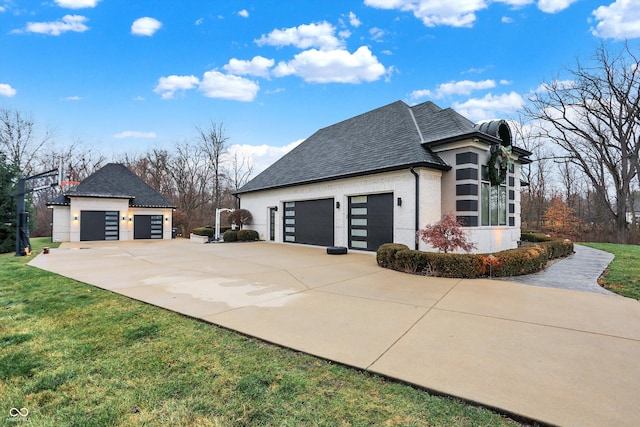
(623, 274)
(76, 355)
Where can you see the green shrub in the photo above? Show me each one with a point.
(514, 262)
(558, 248)
(204, 231)
(386, 254)
(467, 266)
(531, 236)
(230, 236)
(248, 235)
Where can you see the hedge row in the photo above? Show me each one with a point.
(208, 231)
(240, 235)
(513, 262)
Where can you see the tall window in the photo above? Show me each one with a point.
(493, 201)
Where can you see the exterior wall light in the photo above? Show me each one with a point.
(130, 219)
(399, 201)
(337, 205)
(166, 219)
(75, 217)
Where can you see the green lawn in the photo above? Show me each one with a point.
(623, 274)
(75, 355)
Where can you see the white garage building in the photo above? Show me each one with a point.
(111, 204)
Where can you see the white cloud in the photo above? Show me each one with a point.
(420, 93)
(436, 12)
(214, 84)
(554, 6)
(304, 36)
(334, 66)
(3, 9)
(168, 86)
(74, 23)
(353, 20)
(463, 87)
(506, 20)
(244, 13)
(461, 13)
(199, 22)
(620, 20)
(77, 4)
(145, 26)
(555, 85)
(490, 106)
(135, 134)
(262, 156)
(376, 33)
(7, 90)
(72, 98)
(258, 66)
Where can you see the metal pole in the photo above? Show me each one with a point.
(19, 215)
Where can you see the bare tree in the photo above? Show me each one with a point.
(213, 143)
(19, 139)
(241, 170)
(186, 168)
(536, 174)
(595, 120)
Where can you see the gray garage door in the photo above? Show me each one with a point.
(309, 221)
(99, 225)
(370, 221)
(147, 226)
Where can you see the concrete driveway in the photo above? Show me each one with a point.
(558, 356)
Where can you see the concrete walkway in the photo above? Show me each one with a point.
(578, 272)
(558, 356)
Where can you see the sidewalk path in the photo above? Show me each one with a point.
(558, 356)
(578, 272)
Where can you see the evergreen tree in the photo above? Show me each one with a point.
(8, 179)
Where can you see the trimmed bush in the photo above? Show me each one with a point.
(514, 262)
(467, 266)
(230, 236)
(248, 235)
(531, 236)
(386, 254)
(204, 231)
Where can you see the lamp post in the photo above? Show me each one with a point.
(218, 211)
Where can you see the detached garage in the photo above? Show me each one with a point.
(111, 204)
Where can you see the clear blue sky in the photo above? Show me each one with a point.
(124, 76)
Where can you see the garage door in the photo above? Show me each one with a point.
(147, 226)
(309, 222)
(99, 225)
(370, 221)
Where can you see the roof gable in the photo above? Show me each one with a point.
(115, 180)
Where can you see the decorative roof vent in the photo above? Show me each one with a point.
(498, 128)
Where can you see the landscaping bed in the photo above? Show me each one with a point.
(532, 256)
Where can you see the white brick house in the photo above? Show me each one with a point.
(378, 177)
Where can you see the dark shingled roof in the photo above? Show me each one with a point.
(116, 181)
(392, 137)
